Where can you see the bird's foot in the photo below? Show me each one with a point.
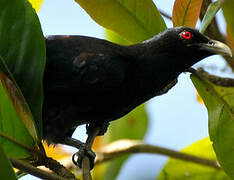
(84, 151)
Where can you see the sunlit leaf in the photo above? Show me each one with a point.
(228, 7)
(199, 99)
(210, 14)
(22, 46)
(186, 12)
(183, 170)
(114, 37)
(134, 20)
(57, 152)
(6, 169)
(12, 111)
(220, 105)
(36, 4)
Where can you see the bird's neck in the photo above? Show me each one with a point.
(155, 70)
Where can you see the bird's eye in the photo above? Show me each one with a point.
(186, 35)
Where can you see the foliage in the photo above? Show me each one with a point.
(22, 61)
(134, 20)
(6, 170)
(186, 13)
(220, 105)
(178, 169)
(210, 14)
(22, 49)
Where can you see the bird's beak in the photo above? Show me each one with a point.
(216, 47)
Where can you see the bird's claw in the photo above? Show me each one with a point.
(84, 151)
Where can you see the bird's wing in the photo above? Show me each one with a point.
(77, 63)
(99, 71)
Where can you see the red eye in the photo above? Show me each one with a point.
(186, 35)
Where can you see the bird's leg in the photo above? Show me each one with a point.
(93, 130)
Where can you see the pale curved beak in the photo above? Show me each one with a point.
(216, 47)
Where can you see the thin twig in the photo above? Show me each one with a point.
(165, 15)
(219, 81)
(121, 147)
(86, 163)
(86, 169)
(33, 170)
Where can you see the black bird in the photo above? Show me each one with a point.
(93, 81)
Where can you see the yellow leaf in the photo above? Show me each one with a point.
(57, 152)
(199, 99)
(36, 4)
(98, 142)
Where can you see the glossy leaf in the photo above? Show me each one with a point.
(186, 12)
(13, 120)
(228, 7)
(6, 170)
(36, 4)
(22, 46)
(134, 20)
(220, 105)
(210, 14)
(183, 170)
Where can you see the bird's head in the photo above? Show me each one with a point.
(186, 46)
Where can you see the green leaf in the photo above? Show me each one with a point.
(210, 14)
(22, 46)
(186, 12)
(13, 121)
(134, 20)
(220, 105)
(183, 170)
(131, 126)
(227, 8)
(6, 169)
(115, 38)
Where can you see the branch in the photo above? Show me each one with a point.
(122, 147)
(58, 168)
(33, 170)
(219, 81)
